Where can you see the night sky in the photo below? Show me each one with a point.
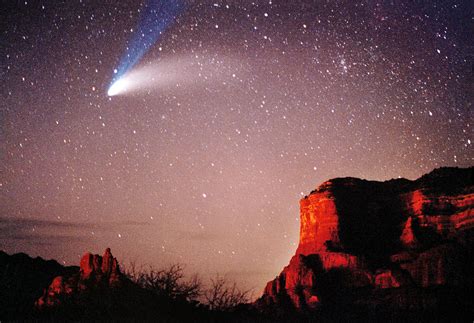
(252, 105)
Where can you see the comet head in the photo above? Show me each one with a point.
(118, 87)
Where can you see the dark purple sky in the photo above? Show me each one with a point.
(257, 103)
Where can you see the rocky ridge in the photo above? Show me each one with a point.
(95, 273)
(395, 245)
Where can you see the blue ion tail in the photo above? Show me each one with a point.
(156, 16)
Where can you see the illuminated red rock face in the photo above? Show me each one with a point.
(319, 222)
(446, 215)
(95, 267)
(60, 287)
(95, 272)
(391, 236)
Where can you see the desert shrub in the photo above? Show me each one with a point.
(224, 296)
(169, 282)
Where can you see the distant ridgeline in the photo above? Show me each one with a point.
(22, 280)
(98, 290)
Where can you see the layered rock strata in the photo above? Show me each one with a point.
(410, 241)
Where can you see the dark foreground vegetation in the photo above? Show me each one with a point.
(144, 294)
(166, 295)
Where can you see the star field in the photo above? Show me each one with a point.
(262, 101)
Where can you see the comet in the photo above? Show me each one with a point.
(118, 87)
(180, 71)
(156, 17)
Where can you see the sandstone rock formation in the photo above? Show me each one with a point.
(95, 273)
(22, 280)
(397, 244)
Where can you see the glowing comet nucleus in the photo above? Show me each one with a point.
(118, 87)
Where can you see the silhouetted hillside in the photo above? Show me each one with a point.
(22, 280)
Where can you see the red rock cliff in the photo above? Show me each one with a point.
(401, 237)
(95, 273)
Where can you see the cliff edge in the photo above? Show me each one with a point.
(393, 245)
